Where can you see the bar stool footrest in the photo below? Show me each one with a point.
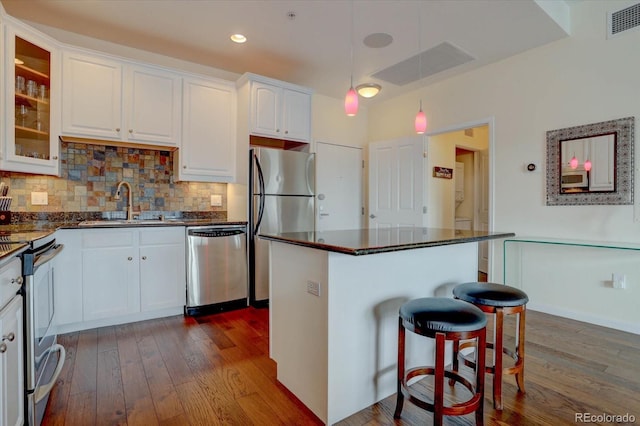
(456, 409)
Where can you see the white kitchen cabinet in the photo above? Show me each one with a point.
(111, 99)
(109, 273)
(31, 101)
(162, 268)
(278, 109)
(11, 364)
(107, 276)
(208, 146)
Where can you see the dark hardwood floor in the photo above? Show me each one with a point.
(215, 370)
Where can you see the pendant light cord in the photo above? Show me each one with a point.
(351, 42)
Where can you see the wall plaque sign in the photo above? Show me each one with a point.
(442, 172)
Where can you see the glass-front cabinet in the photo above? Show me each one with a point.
(31, 103)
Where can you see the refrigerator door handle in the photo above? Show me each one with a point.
(262, 189)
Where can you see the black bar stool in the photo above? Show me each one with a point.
(442, 319)
(500, 300)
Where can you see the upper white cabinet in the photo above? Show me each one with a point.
(279, 110)
(110, 99)
(31, 70)
(208, 147)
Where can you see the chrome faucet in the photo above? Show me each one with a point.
(130, 211)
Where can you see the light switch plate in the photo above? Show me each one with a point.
(216, 200)
(39, 198)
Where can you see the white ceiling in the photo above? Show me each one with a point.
(314, 48)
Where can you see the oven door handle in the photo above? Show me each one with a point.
(44, 390)
(48, 255)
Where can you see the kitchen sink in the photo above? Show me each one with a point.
(123, 222)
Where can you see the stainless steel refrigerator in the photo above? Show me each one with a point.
(281, 199)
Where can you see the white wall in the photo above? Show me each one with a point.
(582, 79)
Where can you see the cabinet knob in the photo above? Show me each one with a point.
(184, 167)
(278, 130)
(130, 130)
(18, 280)
(55, 157)
(372, 216)
(129, 258)
(144, 257)
(10, 337)
(3, 348)
(118, 129)
(286, 132)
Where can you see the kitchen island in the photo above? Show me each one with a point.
(334, 300)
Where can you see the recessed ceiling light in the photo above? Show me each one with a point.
(238, 38)
(368, 90)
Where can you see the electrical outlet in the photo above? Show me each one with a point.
(216, 200)
(619, 280)
(313, 288)
(39, 198)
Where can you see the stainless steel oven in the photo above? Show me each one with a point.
(44, 357)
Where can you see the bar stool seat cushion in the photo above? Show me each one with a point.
(441, 314)
(490, 294)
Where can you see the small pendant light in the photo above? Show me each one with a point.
(587, 165)
(351, 100)
(421, 121)
(573, 163)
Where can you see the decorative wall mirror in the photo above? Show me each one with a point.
(591, 164)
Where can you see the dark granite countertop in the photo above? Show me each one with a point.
(371, 241)
(15, 238)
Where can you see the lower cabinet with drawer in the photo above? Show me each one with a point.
(124, 275)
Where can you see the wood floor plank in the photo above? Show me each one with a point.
(163, 392)
(258, 410)
(107, 340)
(85, 365)
(111, 408)
(138, 402)
(81, 410)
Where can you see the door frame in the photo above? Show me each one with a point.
(490, 123)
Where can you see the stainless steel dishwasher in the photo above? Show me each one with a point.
(217, 278)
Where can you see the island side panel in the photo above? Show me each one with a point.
(365, 294)
(298, 323)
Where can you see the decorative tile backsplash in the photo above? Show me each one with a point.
(90, 175)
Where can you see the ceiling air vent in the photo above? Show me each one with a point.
(623, 20)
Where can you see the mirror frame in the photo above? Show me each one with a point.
(625, 140)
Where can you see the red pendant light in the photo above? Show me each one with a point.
(573, 163)
(421, 121)
(351, 102)
(587, 165)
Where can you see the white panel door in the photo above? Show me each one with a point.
(396, 183)
(338, 187)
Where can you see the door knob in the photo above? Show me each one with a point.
(372, 216)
